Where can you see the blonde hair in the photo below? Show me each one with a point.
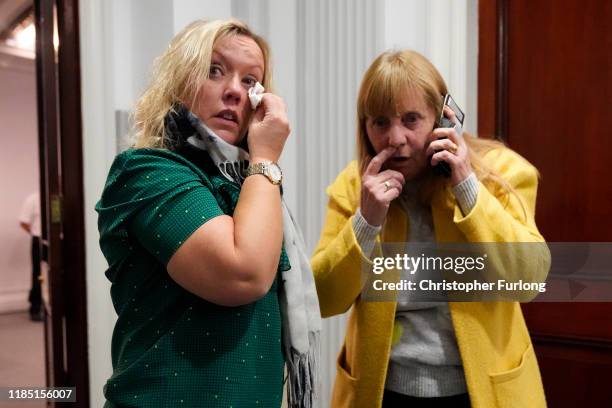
(386, 82)
(179, 72)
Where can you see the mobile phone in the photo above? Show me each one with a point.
(444, 168)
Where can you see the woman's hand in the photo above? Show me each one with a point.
(451, 148)
(269, 129)
(378, 188)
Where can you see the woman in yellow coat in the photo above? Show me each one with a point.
(413, 354)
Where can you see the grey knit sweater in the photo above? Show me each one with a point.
(425, 362)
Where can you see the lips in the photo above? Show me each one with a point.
(228, 115)
(399, 159)
(396, 162)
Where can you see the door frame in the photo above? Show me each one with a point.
(62, 194)
(493, 69)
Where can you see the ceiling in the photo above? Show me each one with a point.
(11, 11)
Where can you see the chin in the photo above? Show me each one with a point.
(228, 136)
(420, 174)
(411, 173)
(406, 170)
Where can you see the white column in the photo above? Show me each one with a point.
(275, 21)
(261, 14)
(186, 11)
(446, 32)
(336, 41)
(151, 30)
(471, 63)
(98, 151)
(406, 25)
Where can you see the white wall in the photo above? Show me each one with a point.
(19, 176)
(99, 148)
(336, 41)
(185, 11)
(319, 48)
(446, 32)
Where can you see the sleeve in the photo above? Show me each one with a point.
(338, 258)
(162, 199)
(466, 193)
(365, 233)
(27, 210)
(500, 217)
(505, 224)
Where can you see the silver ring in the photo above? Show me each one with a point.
(387, 185)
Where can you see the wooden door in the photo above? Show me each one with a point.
(60, 152)
(48, 135)
(545, 82)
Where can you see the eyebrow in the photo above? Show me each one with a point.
(399, 115)
(411, 112)
(226, 61)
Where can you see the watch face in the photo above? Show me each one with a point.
(275, 172)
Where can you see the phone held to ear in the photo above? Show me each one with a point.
(443, 168)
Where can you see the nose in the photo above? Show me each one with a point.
(397, 138)
(233, 92)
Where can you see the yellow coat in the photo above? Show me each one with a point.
(499, 362)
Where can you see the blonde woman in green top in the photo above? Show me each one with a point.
(192, 223)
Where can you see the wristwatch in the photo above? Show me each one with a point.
(269, 169)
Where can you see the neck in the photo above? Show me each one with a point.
(421, 188)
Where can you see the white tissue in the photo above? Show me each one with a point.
(255, 95)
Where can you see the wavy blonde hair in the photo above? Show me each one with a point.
(179, 72)
(386, 82)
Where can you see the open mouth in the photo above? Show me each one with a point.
(228, 115)
(399, 160)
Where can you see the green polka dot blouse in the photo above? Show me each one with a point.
(169, 347)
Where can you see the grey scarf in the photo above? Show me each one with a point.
(301, 317)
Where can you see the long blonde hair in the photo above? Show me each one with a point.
(386, 82)
(179, 72)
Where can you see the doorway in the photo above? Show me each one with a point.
(61, 169)
(57, 113)
(22, 361)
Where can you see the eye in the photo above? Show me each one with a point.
(249, 81)
(410, 118)
(380, 122)
(215, 71)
